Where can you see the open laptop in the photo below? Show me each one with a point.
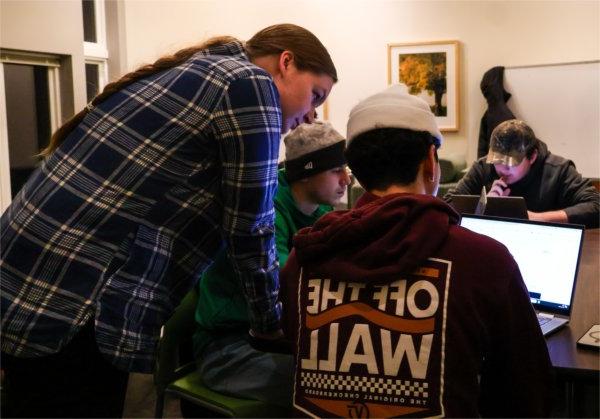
(548, 256)
(499, 206)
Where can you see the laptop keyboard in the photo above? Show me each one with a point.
(543, 320)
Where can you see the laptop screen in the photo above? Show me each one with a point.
(498, 206)
(547, 254)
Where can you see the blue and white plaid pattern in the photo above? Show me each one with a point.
(124, 216)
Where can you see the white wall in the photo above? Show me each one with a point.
(357, 32)
(53, 27)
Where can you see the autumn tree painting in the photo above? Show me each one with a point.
(425, 72)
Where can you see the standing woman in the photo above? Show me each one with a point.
(139, 191)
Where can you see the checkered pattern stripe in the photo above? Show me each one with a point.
(119, 222)
(363, 384)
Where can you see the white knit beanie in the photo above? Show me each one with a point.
(393, 107)
(311, 149)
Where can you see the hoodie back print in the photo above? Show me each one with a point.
(370, 302)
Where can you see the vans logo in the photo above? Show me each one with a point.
(358, 410)
(372, 351)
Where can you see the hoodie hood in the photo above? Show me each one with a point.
(492, 86)
(379, 239)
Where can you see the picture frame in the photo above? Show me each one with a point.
(431, 72)
(323, 111)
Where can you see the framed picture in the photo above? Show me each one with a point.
(430, 70)
(323, 111)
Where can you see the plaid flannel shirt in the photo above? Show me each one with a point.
(120, 221)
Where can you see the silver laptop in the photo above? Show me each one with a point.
(548, 257)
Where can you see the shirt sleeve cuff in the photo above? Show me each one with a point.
(265, 320)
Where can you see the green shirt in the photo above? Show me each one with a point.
(221, 303)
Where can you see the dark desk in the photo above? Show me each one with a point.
(566, 356)
(579, 368)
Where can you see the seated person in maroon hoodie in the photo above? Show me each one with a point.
(394, 308)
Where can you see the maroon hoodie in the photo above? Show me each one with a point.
(395, 310)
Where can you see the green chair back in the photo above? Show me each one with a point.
(181, 379)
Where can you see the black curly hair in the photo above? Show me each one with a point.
(514, 135)
(383, 157)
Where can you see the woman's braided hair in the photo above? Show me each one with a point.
(163, 63)
(309, 54)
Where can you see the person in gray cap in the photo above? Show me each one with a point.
(519, 164)
(396, 310)
(313, 179)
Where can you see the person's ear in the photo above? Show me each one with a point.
(286, 59)
(430, 164)
(533, 157)
(431, 172)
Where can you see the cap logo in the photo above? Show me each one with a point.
(308, 165)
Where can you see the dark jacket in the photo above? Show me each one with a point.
(552, 183)
(492, 87)
(396, 310)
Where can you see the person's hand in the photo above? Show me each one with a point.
(556, 216)
(499, 188)
(269, 342)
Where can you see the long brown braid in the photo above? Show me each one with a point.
(163, 63)
(309, 54)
